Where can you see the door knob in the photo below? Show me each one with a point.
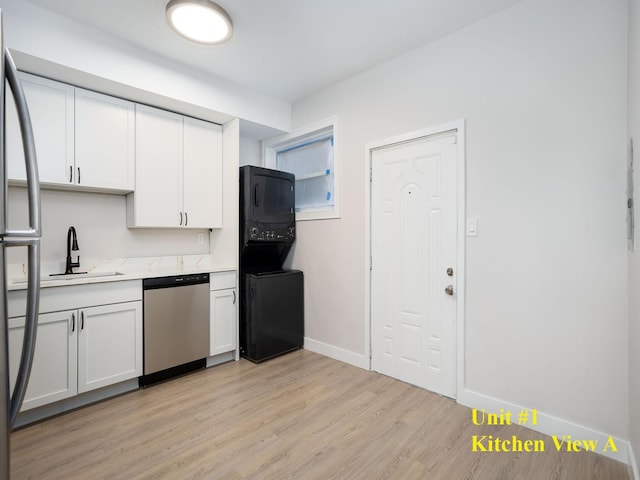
(449, 290)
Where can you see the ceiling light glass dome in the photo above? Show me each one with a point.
(200, 21)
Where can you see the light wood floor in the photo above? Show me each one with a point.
(300, 416)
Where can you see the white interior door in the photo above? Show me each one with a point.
(413, 244)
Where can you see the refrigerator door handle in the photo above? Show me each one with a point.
(29, 238)
(29, 146)
(31, 324)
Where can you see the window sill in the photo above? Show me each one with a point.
(317, 215)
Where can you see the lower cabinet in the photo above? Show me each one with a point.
(54, 369)
(79, 350)
(109, 345)
(223, 329)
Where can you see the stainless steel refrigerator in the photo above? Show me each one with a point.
(10, 401)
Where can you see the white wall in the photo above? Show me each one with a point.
(250, 151)
(634, 258)
(542, 87)
(90, 58)
(101, 223)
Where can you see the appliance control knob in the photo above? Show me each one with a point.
(253, 233)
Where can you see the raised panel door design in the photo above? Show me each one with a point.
(104, 141)
(53, 373)
(223, 330)
(413, 241)
(51, 108)
(157, 201)
(202, 180)
(109, 345)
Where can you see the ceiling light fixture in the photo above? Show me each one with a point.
(200, 21)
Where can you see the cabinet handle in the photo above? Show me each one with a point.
(78, 175)
(180, 218)
(70, 174)
(234, 297)
(73, 322)
(81, 320)
(186, 219)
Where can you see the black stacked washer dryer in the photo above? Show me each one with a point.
(272, 299)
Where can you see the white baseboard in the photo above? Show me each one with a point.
(221, 358)
(41, 413)
(634, 473)
(547, 424)
(551, 425)
(336, 353)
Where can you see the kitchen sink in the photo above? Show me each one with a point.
(72, 276)
(54, 277)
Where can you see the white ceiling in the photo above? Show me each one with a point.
(287, 48)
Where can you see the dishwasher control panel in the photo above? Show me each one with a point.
(175, 281)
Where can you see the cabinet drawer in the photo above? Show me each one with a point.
(222, 280)
(55, 299)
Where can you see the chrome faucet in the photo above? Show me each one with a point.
(72, 244)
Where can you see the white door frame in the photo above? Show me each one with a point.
(458, 126)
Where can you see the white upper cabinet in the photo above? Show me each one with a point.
(104, 140)
(158, 193)
(91, 141)
(51, 108)
(178, 172)
(202, 174)
(83, 139)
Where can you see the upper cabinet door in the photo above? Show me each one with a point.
(202, 182)
(157, 201)
(51, 108)
(104, 140)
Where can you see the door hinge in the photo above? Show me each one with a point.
(370, 263)
(370, 173)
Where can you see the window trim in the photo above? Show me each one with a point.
(300, 135)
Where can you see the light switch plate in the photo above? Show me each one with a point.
(472, 227)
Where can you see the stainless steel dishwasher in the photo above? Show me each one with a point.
(176, 325)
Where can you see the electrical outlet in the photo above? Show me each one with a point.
(200, 238)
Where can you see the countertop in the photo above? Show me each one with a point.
(118, 270)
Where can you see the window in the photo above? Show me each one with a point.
(308, 153)
(312, 164)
